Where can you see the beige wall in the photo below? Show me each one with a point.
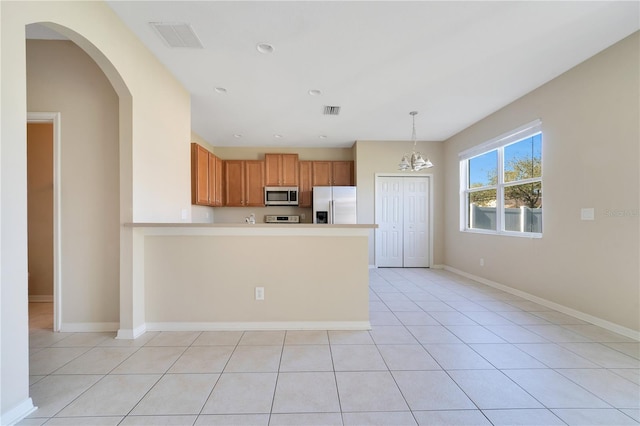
(61, 77)
(154, 136)
(40, 208)
(206, 278)
(383, 157)
(590, 123)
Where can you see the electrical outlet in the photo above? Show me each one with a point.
(481, 261)
(259, 293)
(302, 216)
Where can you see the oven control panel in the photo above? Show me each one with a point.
(281, 219)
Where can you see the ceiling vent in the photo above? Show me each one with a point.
(331, 110)
(177, 34)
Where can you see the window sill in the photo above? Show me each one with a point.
(532, 235)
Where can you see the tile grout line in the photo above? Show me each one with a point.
(162, 375)
(219, 377)
(275, 387)
(389, 370)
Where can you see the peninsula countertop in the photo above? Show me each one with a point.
(249, 225)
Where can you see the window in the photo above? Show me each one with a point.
(501, 184)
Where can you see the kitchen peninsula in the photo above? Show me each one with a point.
(198, 276)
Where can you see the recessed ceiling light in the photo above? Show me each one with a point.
(322, 136)
(237, 136)
(315, 92)
(221, 90)
(277, 136)
(265, 48)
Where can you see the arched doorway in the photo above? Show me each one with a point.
(62, 77)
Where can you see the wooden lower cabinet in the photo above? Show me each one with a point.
(244, 183)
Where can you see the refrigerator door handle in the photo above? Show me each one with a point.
(331, 211)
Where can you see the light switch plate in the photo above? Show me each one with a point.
(587, 213)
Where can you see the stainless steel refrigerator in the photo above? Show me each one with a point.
(334, 204)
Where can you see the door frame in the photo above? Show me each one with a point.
(54, 117)
(429, 176)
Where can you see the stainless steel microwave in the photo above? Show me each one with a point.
(281, 195)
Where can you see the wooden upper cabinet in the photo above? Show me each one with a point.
(244, 183)
(206, 177)
(234, 183)
(254, 183)
(281, 169)
(305, 186)
(240, 183)
(342, 173)
(332, 173)
(199, 175)
(322, 173)
(216, 175)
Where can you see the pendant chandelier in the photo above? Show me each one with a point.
(414, 161)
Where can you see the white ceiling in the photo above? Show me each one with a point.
(454, 62)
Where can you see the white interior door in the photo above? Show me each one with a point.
(402, 215)
(416, 223)
(389, 219)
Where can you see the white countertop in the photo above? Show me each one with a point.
(247, 225)
(251, 230)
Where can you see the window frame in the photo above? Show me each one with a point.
(498, 143)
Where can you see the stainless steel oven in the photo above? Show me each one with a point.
(281, 219)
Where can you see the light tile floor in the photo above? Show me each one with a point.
(443, 350)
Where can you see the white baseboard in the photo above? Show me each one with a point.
(276, 325)
(130, 334)
(608, 325)
(432, 266)
(40, 298)
(18, 413)
(88, 327)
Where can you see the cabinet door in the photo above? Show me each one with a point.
(321, 173)
(289, 169)
(254, 183)
(342, 172)
(306, 183)
(212, 179)
(199, 175)
(219, 182)
(216, 174)
(234, 183)
(273, 169)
